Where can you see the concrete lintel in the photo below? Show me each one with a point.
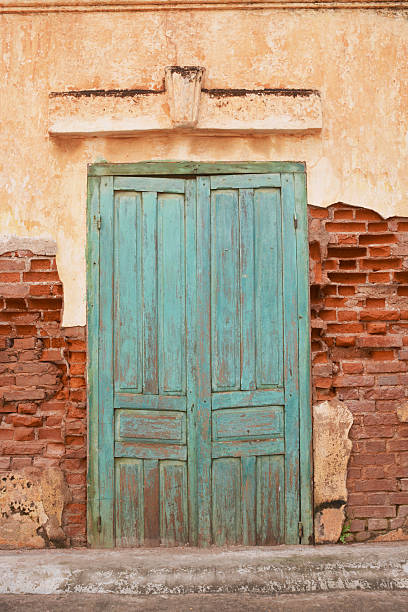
(219, 112)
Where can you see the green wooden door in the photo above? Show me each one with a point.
(197, 432)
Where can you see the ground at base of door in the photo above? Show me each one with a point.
(235, 570)
(363, 601)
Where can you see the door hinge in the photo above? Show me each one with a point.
(295, 222)
(98, 221)
(99, 524)
(300, 526)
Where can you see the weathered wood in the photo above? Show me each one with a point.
(305, 425)
(226, 501)
(291, 363)
(150, 402)
(134, 183)
(245, 181)
(191, 354)
(151, 503)
(173, 503)
(262, 397)
(128, 294)
(150, 323)
(171, 294)
(247, 423)
(248, 448)
(150, 450)
(150, 168)
(203, 367)
(228, 476)
(270, 503)
(225, 290)
(247, 297)
(268, 279)
(129, 519)
(106, 425)
(249, 500)
(149, 425)
(92, 264)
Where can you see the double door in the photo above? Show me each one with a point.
(196, 435)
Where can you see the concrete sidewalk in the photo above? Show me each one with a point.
(272, 570)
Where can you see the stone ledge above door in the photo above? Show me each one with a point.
(183, 106)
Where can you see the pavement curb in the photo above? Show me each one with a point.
(272, 570)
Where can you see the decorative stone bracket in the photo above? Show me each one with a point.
(183, 105)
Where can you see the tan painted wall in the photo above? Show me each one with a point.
(356, 58)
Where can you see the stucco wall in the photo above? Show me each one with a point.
(357, 59)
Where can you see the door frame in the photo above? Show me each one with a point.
(96, 173)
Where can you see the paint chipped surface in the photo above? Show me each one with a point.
(332, 421)
(31, 505)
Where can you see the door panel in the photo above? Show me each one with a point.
(149, 347)
(250, 350)
(198, 363)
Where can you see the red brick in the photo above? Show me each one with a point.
(401, 277)
(352, 367)
(363, 214)
(26, 420)
(27, 408)
(345, 341)
(53, 435)
(13, 290)
(36, 380)
(9, 277)
(346, 315)
(376, 328)
(344, 214)
(347, 278)
(386, 366)
(11, 394)
(379, 277)
(368, 239)
(24, 343)
(371, 511)
(383, 251)
(344, 328)
(52, 355)
(353, 381)
(23, 448)
(347, 291)
(6, 434)
(40, 290)
(345, 228)
(382, 355)
(40, 277)
(380, 341)
(346, 252)
(12, 265)
(381, 264)
(40, 264)
(385, 393)
(378, 227)
(23, 433)
(373, 314)
(318, 213)
(377, 524)
(45, 304)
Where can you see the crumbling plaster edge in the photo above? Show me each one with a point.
(38, 246)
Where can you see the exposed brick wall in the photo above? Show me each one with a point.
(359, 310)
(42, 380)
